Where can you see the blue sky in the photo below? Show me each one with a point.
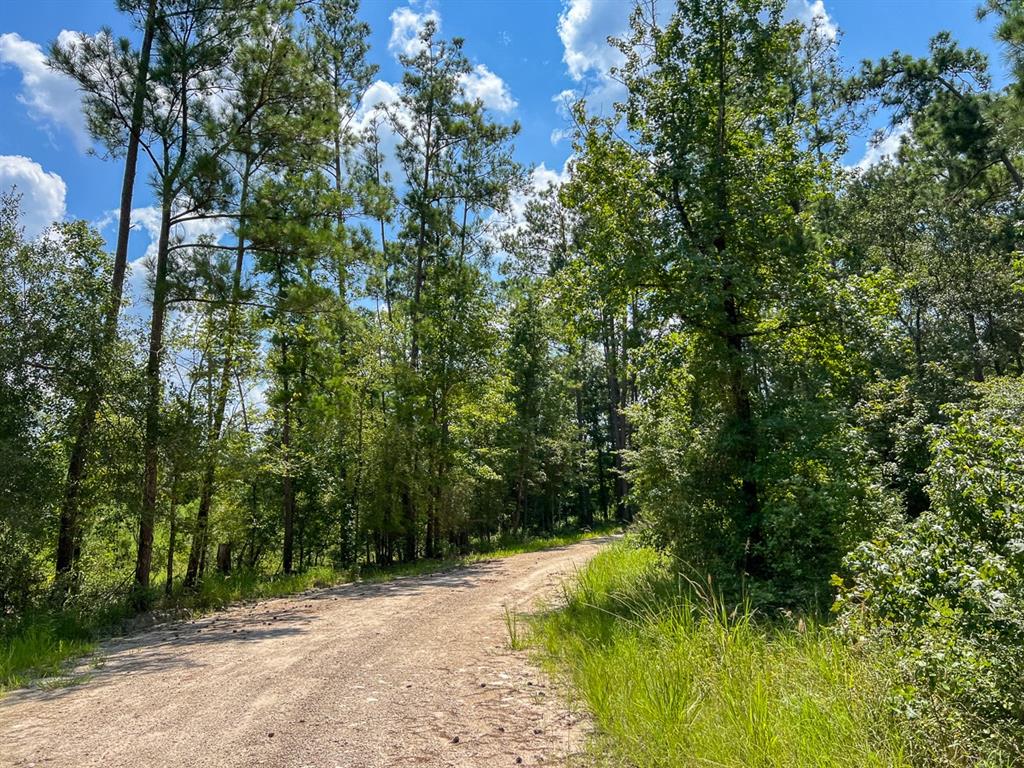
(527, 52)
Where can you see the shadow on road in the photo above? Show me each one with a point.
(169, 645)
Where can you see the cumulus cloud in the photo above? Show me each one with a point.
(381, 103)
(380, 99)
(558, 135)
(380, 94)
(48, 95)
(42, 193)
(481, 83)
(584, 27)
(147, 219)
(885, 149)
(406, 25)
(814, 16)
(486, 86)
(541, 177)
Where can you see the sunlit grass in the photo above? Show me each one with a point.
(674, 679)
(38, 649)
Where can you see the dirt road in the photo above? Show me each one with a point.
(413, 672)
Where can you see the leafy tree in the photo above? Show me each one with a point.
(53, 293)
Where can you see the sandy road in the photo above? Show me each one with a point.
(359, 676)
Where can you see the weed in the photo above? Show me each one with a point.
(674, 677)
(516, 637)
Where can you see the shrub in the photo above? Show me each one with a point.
(946, 591)
(819, 496)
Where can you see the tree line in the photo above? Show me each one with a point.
(345, 376)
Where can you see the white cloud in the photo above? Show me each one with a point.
(148, 218)
(380, 94)
(486, 86)
(42, 193)
(885, 149)
(406, 25)
(813, 15)
(480, 83)
(380, 99)
(584, 27)
(541, 177)
(558, 135)
(382, 103)
(48, 95)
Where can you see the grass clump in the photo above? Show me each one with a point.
(672, 678)
(38, 648)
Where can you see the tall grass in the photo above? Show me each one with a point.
(35, 649)
(674, 679)
(41, 642)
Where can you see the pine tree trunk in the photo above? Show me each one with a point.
(150, 448)
(977, 367)
(67, 534)
(287, 487)
(220, 405)
(169, 582)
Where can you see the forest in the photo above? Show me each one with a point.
(798, 382)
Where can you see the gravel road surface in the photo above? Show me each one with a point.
(412, 672)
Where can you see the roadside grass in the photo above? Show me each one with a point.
(38, 648)
(673, 678)
(41, 643)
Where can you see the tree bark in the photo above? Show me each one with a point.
(193, 574)
(151, 457)
(746, 441)
(224, 557)
(977, 366)
(287, 487)
(169, 582)
(67, 534)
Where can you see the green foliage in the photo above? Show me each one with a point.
(52, 298)
(712, 324)
(674, 677)
(947, 590)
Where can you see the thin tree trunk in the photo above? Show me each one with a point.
(169, 583)
(977, 367)
(224, 386)
(287, 488)
(993, 340)
(616, 426)
(151, 457)
(67, 535)
(583, 509)
(746, 441)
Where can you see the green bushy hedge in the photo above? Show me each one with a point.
(946, 592)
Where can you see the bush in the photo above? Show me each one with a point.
(946, 591)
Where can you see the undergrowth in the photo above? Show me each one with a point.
(674, 678)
